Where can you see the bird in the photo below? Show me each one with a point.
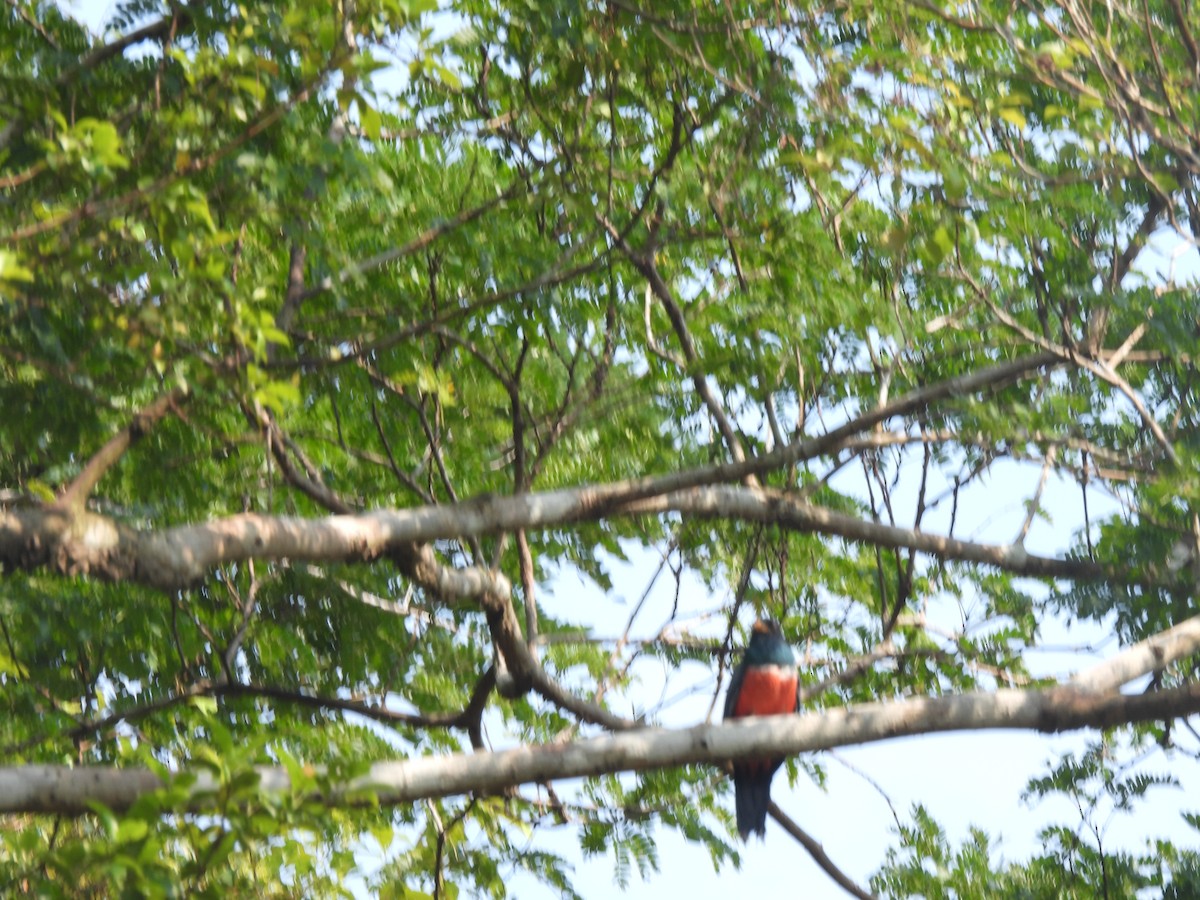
(764, 684)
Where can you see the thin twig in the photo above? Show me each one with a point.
(76, 493)
(817, 852)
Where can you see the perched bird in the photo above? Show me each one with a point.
(764, 684)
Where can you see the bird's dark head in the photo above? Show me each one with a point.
(765, 626)
(767, 646)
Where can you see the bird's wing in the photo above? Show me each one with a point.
(735, 688)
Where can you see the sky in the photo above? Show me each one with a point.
(964, 780)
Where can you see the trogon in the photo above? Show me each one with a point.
(764, 684)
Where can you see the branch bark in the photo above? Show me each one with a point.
(77, 492)
(68, 791)
(1151, 655)
(75, 543)
(85, 543)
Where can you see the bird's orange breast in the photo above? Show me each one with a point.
(766, 691)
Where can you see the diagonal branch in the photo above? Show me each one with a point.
(1151, 655)
(76, 493)
(179, 17)
(790, 512)
(98, 56)
(517, 668)
(817, 852)
(1097, 367)
(418, 243)
(646, 267)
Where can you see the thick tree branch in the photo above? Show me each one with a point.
(68, 791)
(526, 673)
(1151, 655)
(517, 669)
(90, 544)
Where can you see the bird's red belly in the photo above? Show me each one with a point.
(766, 692)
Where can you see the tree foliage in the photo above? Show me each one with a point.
(338, 341)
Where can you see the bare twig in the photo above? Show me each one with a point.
(1035, 502)
(420, 242)
(817, 852)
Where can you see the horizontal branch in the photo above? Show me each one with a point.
(87, 544)
(171, 558)
(58, 789)
(68, 791)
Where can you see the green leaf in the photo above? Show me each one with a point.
(1013, 116)
(206, 705)
(943, 244)
(131, 831)
(372, 121)
(11, 268)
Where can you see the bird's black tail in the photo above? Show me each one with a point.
(752, 796)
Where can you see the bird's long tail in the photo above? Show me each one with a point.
(752, 796)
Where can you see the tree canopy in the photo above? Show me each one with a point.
(338, 342)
